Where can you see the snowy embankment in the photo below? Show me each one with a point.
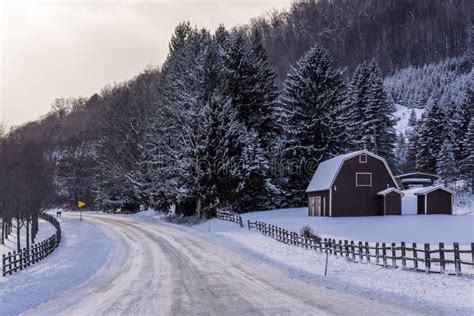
(451, 294)
(45, 231)
(84, 249)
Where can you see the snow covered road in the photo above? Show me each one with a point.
(160, 269)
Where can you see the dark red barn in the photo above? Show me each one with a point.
(354, 184)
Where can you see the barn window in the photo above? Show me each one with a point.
(363, 179)
(363, 158)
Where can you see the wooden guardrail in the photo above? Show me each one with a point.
(426, 259)
(16, 261)
(230, 216)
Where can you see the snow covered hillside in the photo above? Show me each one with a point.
(402, 114)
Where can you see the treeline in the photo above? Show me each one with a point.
(394, 33)
(217, 126)
(447, 82)
(26, 185)
(440, 142)
(210, 129)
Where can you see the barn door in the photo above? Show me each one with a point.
(318, 206)
(324, 207)
(311, 206)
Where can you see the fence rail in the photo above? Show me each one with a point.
(230, 216)
(16, 261)
(391, 256)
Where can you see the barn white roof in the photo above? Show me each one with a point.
(328, 170)
(426, 190)
(388, 190)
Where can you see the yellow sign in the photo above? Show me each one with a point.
(80, 204)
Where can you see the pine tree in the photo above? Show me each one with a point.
(467, 164)
(446, 162)
(412, 119)
(431, 137)
(369, 114)
(412, 146)
(250, 87)
(459, 122)
(379, 132)
(401, 153)
(356, 104)
(264, 90)
(310, 115)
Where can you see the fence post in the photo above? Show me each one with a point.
(360, 252)
(442, 261)
(4, 265)
(394, 256)
(248, 224)
(427, 258)
(415, 257)
(472, 252)
(384, 255)
(367, 252)
(353, 251)
(376, 253)
(346, 248)
(341, 253)
(404, 256)
(21, 259)
(457, 259)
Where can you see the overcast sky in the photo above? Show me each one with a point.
(51, 49)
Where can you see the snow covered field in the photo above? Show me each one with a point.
(45, 231)
(454, 293)
(83, 251)
(409, 228)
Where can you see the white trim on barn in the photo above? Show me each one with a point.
(388, 190)
(417, 173)
(364, 185)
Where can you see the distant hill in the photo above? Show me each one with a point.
(396, 34)
(447, 82)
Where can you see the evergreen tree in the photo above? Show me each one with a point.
(412, 147)
(412, 119)
(379, 132)
(431, 137)
(311, 107)
(459, 122)
(467, 164)
(369, 114)
(446, 163)
(251, 90)
(401, 153)
(356, 104)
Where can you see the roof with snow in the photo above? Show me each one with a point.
(417, 175)
(416, 180)
(388, 190)
(328, 170)
(426, 190)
